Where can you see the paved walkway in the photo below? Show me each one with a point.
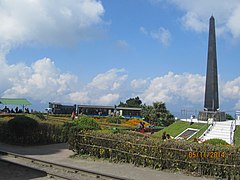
(59, 153)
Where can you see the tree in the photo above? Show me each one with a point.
(157, 114)
(229, 117)
(131, 102)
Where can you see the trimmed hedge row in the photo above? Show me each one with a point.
(42, 134)
(24, 130)
(204, 159)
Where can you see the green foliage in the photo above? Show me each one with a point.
(87, 123)
(237, 136)
(215, 141)
(115, 120)
(66, 130)
(24, 130)
(115, 130)
(131, 102)
(145, 151)
(157, 114)
(229, 117)
(179, 126)
(22, 125)
(39, 115)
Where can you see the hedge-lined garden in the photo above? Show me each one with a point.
(85, 136)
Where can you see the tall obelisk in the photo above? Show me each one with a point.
(211, 102)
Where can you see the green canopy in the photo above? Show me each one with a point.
(14, 101)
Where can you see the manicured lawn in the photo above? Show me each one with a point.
(179, 126)
(237, 136)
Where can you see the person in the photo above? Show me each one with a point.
(73, 115)
(164, 136)
(142, 127)
(16, 109)
(168, 136)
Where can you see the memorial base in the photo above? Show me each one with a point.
(215, 115)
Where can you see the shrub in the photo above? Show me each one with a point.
(203, 159)
(39, 115)
(26, 131)
(115, 120)
(87, 123)
(22, 125)
(215, 141)
(65, 131)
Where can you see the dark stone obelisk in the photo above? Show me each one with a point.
(211, 102)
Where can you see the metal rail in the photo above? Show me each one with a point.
(75, 170)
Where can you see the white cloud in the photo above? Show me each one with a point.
(197, 14)
(173, 88)
(143, 30)
(139, 83)
(233, 22)
(42, 21)
(122, 44)
(42, 81)
(108, 99)
(162, 35)
(111, 80)
(231, 89)
(104, 89)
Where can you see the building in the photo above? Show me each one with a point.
(95, 110)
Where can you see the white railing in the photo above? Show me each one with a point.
(232, 129)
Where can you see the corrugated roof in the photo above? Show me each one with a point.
(14, 101)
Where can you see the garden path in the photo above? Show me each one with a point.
(59, 153)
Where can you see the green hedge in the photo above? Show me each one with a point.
(115, 120)
(145, 151)
(215, 141)
(24, 130)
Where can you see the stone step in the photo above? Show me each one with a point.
(217, 135)
(220, 131)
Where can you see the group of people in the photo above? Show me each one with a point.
(166, 136)
(7, 110)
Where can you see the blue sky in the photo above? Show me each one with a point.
(104, 52)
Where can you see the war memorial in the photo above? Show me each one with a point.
(211, 101)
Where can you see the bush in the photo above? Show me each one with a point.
(23, 130)
(215, 141)
(132, 147)
(86, 123)
(66, 130)
(115, 120)
(22, 125)
(39, 115)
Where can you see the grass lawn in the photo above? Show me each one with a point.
(179, 126)
(237, 136)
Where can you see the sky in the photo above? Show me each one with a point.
(103, 52)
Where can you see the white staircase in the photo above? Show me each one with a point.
(221, 130)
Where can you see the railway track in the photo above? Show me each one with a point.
(54, 170)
